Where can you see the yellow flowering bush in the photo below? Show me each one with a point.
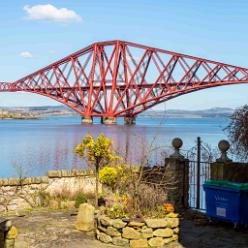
(98, 151)
(108, 175)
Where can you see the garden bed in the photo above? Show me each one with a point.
(153, 232)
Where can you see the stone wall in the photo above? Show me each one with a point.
(137, 233)
(21, 193)
(231, 171)
(173, 177)
(225, 169)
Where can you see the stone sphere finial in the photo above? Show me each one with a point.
(177, 144)
(224, 145)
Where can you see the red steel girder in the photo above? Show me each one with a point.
(122, 79)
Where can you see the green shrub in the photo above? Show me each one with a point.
(81, 198)
(116, 211)
(108, 176)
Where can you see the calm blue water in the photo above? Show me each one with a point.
(39, 145)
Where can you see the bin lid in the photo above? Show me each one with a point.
(228, 184)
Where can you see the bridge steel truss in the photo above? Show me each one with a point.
(122, 79)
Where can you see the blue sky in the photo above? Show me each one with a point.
(215, 29)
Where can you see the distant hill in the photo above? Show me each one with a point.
(212, 112)
(43, 110)
(170, 113)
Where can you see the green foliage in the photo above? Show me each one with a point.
(114, 175)
(157, 212)
(101, 195)
(81, 198)
(97, 151)
(116, 211)
(108, 176)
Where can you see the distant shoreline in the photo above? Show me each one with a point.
(43, 111)
(16, 116)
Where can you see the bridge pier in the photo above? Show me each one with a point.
(108, 120)
(87, 120)
(129, 120)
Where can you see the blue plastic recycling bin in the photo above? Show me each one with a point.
(227, 203)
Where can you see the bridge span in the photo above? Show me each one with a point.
(122, 79)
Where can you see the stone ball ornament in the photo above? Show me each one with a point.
(177, 143)
(224, 145)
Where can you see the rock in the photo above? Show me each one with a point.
(12, 233)
(53, 204)
(156, 242)
(106, 221)
(175, 237)
(156, 223)
(136, 224)
(97, 212)
(168, 240)
(138, 243)
(167, 232)
(113, 231)
(146, 232)
(9, 243)
(117, 223)
(172, 215)
(97, 233)
(85, 218)
(130, 233)
(120, 241)
(176, 230)
(172, 222)
(101, 228)
(104, 237)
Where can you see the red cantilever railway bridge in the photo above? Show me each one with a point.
(122, 79)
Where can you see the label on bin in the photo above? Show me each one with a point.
(221, 212)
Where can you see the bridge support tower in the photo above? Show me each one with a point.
(108, 120)
(87, 120)
(130, 120)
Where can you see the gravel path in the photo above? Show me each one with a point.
(55, 229)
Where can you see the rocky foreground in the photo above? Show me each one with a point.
(47, 228)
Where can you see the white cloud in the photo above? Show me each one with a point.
(26, 54)
(49, 12)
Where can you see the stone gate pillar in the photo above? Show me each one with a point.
(177, 177)
(225, 169)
